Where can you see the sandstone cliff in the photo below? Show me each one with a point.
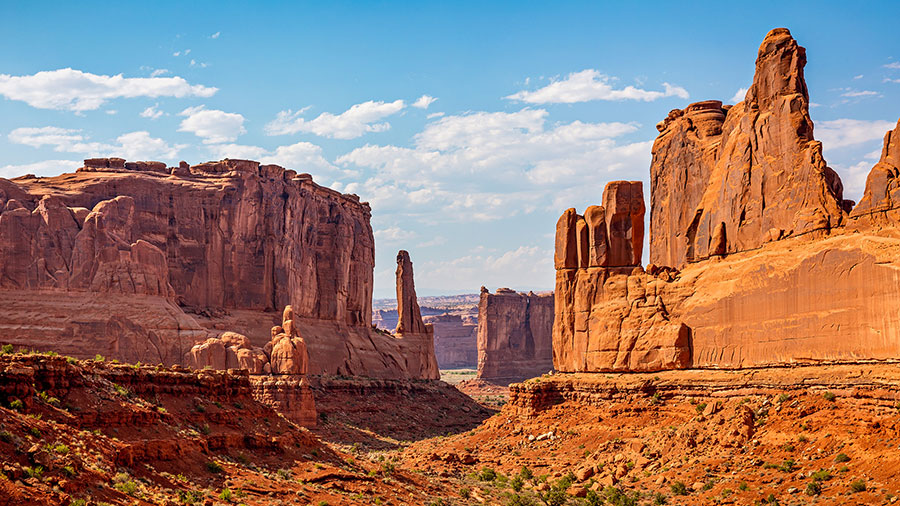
(141, 262)
(455, 340)
(415, 337)
(730, 178)
(514, 335)
(736, 277)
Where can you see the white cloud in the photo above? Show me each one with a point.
(892, 65)
(130, 146)
(862, 93)
(887, 80)
(213, 125)
(739, 95)
(74, 90)
(486, 166)
(42, 168)
(152, 112)
(215, 35)
(435, 115)
(438, 240)
(159, 72)
(860, 76)
(350, 124)
(590, 85)
(393, 235)
(424, 101)
(111, 112)
(194, 63)
(840, 133)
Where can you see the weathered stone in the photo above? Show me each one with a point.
(415, 337)
(748, 169)
(514, 335)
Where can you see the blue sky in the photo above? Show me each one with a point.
(468, 126)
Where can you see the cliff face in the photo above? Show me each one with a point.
(728, 179)
(514, 335)
(455, 340)
(735, 194)
(140, 262)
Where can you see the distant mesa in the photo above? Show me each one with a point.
(514, 335)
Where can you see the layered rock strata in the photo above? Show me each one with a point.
(736, 192)
(140, 262)
(415, 337)
(730, 178)
(514, 335)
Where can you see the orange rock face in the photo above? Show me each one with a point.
(514, 335)
(882, 193)
(415, 337)
(605, 319)
(140, 262)
(736, 278)
(728, 179)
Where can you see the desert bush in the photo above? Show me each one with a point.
(213, 467)
(16, 404)
(858, 486)
(678, 488)
(813, 488)
(841, 457)
(226, 495)
(34, 472)
(487, 474)
(830, 397)
(7, 349)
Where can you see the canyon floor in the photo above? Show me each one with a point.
(94, 432)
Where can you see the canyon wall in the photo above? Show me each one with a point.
(756, 259)
(455, 340)
(514, 335)
(138, 261)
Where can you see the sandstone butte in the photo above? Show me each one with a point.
(514, 335)
(755, 257)
(141, 262)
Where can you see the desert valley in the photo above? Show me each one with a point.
(207, 334)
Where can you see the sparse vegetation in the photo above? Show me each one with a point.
(213, 467)
(858, 486)
(678, 488)
(841, 457)
(487, 474)
(7, 349)
(830, 397)
(813, 488)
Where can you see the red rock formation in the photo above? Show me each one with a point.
(514, 335)
(882, 193)
(606, 320)
(743, 185)
(728, 179)
(139, 262)
(455, 340)
(415, 338)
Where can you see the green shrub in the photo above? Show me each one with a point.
(17, 404)
(487, 474)
(678, 488)
(126, 487)
(34, 472)
(813, 488)
(517, 483)
(858, 486)
(465, 493)
(213, 467)
(841, 457)
(743, 486)
(830, 397)
(6, 350)
(526, 473)
(659, 499)
(99, 358)
(226, 495)
(821, 475)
